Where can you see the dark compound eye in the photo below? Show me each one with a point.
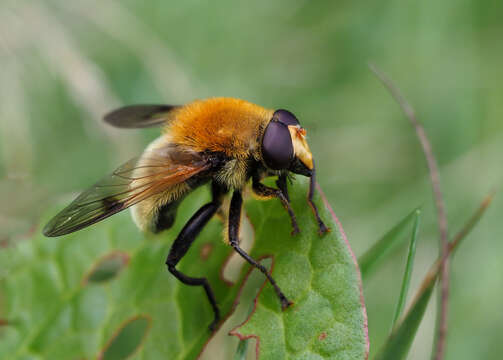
(277, 147)
(285, 117)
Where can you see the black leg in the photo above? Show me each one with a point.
(182, 244)
(282, 185)
(267, 192)
(321, 225)
(234, 220)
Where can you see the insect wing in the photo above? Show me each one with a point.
(139, 116)
(131, 183)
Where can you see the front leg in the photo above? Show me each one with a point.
(266, 192)
(322, 228)
(282, 185)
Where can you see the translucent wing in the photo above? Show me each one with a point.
(134, 181)
(139, 116)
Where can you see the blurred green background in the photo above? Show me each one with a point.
(63, 64)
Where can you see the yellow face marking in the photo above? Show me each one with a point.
(300, 147)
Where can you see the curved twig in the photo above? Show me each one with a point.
(439, 203)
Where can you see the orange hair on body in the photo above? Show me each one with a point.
(226, 125)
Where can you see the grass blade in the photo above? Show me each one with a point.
(398, 344)
(241, 350)
(243, 343)
(408, 269)
(385, 245)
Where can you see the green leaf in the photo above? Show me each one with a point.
(408, 270)
(327, 320)
(105, 291)
(385, 245)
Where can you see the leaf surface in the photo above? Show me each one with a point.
(54, 310)
(319, 274)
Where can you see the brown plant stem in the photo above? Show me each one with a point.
(453, 245)
(439, 203)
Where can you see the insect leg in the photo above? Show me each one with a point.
(234, 220)
(282, 185)
(267, 192)
(322, 228)
(182, 244)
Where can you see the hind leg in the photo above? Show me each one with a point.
(182, 244)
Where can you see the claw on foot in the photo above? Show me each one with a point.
(323, 229)
(285, 304)
(212, 327)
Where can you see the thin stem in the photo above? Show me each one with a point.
(402, 335)
(439, 203)
(454, 244)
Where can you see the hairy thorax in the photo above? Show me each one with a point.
(221, 125)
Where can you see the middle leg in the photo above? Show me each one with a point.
(234, 220)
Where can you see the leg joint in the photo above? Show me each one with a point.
(171, 266)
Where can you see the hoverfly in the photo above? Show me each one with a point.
(221, 141)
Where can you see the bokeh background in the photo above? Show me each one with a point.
(63, 64)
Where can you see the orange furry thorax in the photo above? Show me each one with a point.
(225, 125)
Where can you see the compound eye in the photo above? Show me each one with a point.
(285, 117)
(277, 147)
